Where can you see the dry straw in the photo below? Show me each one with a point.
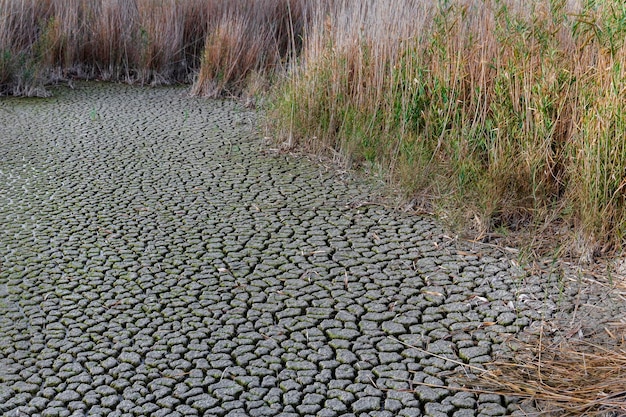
(560, 375)
(572, 377)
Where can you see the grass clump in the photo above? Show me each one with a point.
(553, 374)
(508, 115)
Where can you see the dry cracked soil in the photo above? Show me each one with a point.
(156, 260)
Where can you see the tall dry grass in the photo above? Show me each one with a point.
(508, 114)
(249, 43)
(136, 41)
(19, 33)
(145, 41)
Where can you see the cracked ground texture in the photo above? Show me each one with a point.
(154, 261)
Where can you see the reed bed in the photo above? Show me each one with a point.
(507, 115)
(251, 42)
(145, 41)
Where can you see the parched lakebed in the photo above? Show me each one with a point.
(157, 260)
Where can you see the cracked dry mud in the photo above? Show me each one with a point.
(154, 261)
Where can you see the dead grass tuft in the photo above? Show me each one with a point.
(569, 377)
(556, 374)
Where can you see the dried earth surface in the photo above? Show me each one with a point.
(157, 260)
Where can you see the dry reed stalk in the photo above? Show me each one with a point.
(195, 16)
(61, 42)
(348, 62)
(112, 41)
(559, 374)
(226, 59)
(247, 38)
(19, 30)
(155, 41)
(19, 22)
(161, 33)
